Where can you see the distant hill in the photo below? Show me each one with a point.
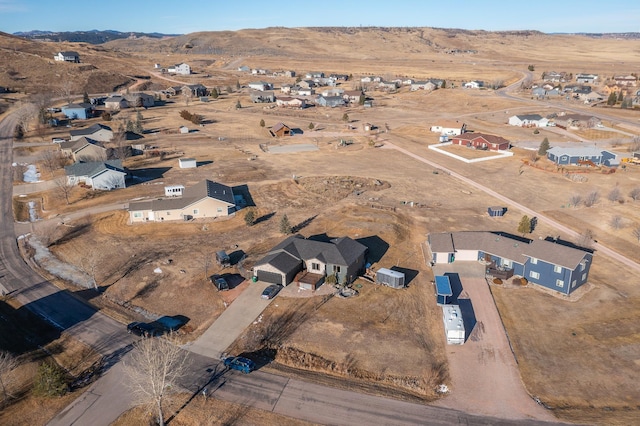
(92, 36)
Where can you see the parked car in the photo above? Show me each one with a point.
(142, 329)
(240, 363)
(220, 283)
(223, 258)
(271, 291)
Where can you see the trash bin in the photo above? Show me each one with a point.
(254, 279)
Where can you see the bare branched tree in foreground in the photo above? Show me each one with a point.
(154, 369)
(8, 363)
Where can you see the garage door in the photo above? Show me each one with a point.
(467, 255)
(269, 277)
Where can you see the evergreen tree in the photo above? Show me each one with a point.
(238, 104)
(285, 226)
(311, 126)
(362, 99)
(137, 126)
(262, 123)
(612, 99)
(85, 98)
(444, 84)
(345, 117)
(214, 93)
(50, 380)
(250, 217)
(544, 147)
(524, 227)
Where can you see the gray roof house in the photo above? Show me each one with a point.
(206, 199)
(84, 150)
(342, 257)
(528, 120)
(97, 132)
(551, 263)
(578, 156)
(105, 175)
(330, 101)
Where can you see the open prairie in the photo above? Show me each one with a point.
(579, 355)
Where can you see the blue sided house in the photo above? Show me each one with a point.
(568, 156)
(551, 263)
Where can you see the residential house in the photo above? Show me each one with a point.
(84, 150)
(625, 80)
(388, 85)
(97, 132)
(183, 69)
(173, 91)
(422, 85)
(105, 175)
(481, 141)
(339, 77)
(334, 91)
(587, 78)
(116, 103)
(258, 96)
(286, 88)
(342, 257)
(587, 156)
(279, 130)
(583, 121)
(289, 102)
(330, 101)
(476, 84)
(305, 84)
(544, 92)
(450, 128)
(68, 56)
(244, 68)
(550, 263)
(290, 73)
(261, 86)
(306, 91)
(314, 74)
(194, 90)
(555, 77)
(259, 71)
(352, 96)
(206, 199)
(140, 100)
(80, 111)
(528, 120)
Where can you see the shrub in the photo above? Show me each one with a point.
(50, 381)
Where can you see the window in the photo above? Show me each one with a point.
(573, 284)
(584, 276)
(557, 269)
(195, 211)
(559, 283)
(534, 274)
(137, 214)
(315, 266)
(534, 261)
(336, 269)
(219, 209)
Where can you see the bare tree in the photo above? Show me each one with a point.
(25, 115)
(64, 188)
(585, 239)
(66, 90)
(575, 200)
(636, 233)
(592, 198)
(635, 144)
(155, 366)
(614, 195)
(8, 363)
(89, 263)
(18, 172)
(635, 194)
(50, 160)
(616, 222)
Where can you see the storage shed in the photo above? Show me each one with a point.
(443, 290)
(187, 163)
(390, 278)
(496, 211)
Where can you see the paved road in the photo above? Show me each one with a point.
(58, 307)
(526, 210)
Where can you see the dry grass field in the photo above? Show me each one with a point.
(579, 357)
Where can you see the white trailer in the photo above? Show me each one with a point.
(453, 324)
(390, 278)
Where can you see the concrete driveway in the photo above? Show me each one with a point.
(233, 321)
(484, 375)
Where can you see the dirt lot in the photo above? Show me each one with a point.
(366, 193)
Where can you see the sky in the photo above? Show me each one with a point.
(186, 16)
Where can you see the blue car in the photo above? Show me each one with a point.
(239, 363)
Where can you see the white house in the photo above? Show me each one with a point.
(528, 120)
(67, 57)
(105, 175)
(450, 128)
(183, 69)
(476, 84)
(261, 86)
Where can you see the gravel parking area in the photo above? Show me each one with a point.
(288, 149)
